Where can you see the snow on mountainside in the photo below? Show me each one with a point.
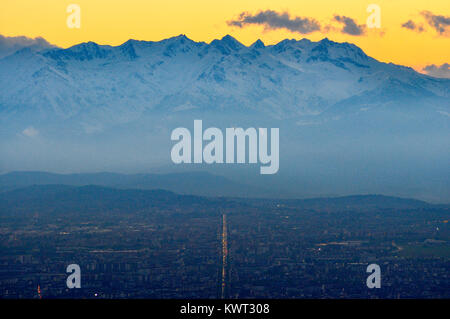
(348, 123)
(102, 85)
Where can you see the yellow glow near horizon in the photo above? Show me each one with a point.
(115, 21)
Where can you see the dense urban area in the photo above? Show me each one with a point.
(156, 244)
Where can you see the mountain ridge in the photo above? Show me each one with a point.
(144, 76)
(348, 123)
(192, 183)
(61, 199)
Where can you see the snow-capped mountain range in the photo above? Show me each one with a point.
(348, 123)
(100, 85)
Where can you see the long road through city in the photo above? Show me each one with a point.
(224, 254)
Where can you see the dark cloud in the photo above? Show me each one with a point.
(9, 45)
(350, 26)
(438, 22)
(411, 25)
(442, 71)
(273, 20)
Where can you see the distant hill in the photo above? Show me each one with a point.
(63, 199)
(193, 183)
(89, 199)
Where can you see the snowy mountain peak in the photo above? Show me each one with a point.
(258, 44)
(85, 51)
(128, 49)
(178, 45)
(227, 44)
(232, 42)
(181, 38)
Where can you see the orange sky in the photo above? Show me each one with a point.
(115, 21)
